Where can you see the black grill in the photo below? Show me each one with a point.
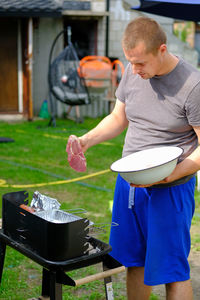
(58, 248)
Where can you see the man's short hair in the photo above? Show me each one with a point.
(144, 29)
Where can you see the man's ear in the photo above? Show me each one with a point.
(163, 48)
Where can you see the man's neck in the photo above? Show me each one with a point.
(169, 64)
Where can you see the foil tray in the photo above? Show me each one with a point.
(57, 216)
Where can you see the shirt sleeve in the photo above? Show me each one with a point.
(193, 106)
(120, 92)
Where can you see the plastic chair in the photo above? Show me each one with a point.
(101, 76)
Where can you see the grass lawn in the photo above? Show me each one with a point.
(37, 161)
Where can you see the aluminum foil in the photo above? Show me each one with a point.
(41, 202)
(57, 216)
(47, 208)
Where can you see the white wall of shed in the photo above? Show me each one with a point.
(43, 37)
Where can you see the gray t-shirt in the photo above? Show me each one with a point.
(162, 110)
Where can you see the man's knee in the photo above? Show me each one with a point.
(179, 290)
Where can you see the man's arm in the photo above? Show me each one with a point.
(189, 165)
(111, 126)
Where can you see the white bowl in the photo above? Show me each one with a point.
(148, 166)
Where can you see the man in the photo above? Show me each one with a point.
(158, 99)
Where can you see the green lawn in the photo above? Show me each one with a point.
(37, 161)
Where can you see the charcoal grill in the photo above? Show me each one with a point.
(58, 248)
(52, 241)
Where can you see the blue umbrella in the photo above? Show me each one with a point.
(188, 10)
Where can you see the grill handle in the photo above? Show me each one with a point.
(75, 210)
(98, 276)
(100, 227)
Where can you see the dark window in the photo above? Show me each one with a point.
(83, 36)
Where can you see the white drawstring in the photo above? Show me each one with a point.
(131, 197)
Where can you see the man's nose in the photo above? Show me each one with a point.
(135, 69)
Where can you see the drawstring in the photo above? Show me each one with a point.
(131, 197)
(131, 205)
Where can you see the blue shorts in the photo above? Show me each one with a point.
(155, 232)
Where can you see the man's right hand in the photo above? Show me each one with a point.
(76, 158)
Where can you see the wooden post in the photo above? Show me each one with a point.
(30, 64)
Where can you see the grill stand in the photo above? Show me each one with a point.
(54, 276)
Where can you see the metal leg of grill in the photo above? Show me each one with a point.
(50, 287)
(108, 284)
(108, 288)
(2, 257)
